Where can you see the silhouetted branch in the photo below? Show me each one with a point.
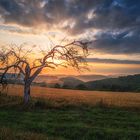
(71, 54)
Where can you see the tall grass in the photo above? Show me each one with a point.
(75, 97)
(50, 119)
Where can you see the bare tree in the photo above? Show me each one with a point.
(17, 59)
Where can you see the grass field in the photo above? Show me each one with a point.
(120, 99)
(69, 115)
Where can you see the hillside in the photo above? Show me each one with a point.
(92, 77)
(123, 83)
(85, 78)
(70, 82)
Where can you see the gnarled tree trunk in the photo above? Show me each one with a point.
(26, 93)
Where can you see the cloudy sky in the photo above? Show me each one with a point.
(113, 26)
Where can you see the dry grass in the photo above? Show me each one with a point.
(9, 134)
(62, 96)
(68, 114)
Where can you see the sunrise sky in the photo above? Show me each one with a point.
(113, 26)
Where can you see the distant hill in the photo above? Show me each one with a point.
(13, 78)
(85, 78)
(70, 82)
(58, 81)
(123, 83)
(92, 77)
(46, 78)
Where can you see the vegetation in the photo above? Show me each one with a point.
(124, 83)
(50, 120)
(81, 87)
(79, 96)
(130, 83)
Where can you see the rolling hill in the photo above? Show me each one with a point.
(70, 82)
(92, 77)
(123, 83)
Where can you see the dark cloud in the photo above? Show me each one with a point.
(117, 14)
(118, 20)
(115, 61)
(109, 15)
(22, 12)
(113, 14)
(126, 42)
(53, 11)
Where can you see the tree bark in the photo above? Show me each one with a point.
(26, 93)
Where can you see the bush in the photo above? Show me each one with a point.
(81, 87)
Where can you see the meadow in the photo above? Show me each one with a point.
(57, 114)
(63, 96)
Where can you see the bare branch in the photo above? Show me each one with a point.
(72, 54)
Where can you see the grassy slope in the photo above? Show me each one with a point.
(42, 120)
(129, 83)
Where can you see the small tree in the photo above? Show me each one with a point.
(22, 62)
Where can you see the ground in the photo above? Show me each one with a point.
(120, 99)
(48, 119)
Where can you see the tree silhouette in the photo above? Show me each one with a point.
(17, 59)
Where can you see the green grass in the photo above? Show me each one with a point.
(47, 120)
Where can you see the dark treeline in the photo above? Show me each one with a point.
(125, 83)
